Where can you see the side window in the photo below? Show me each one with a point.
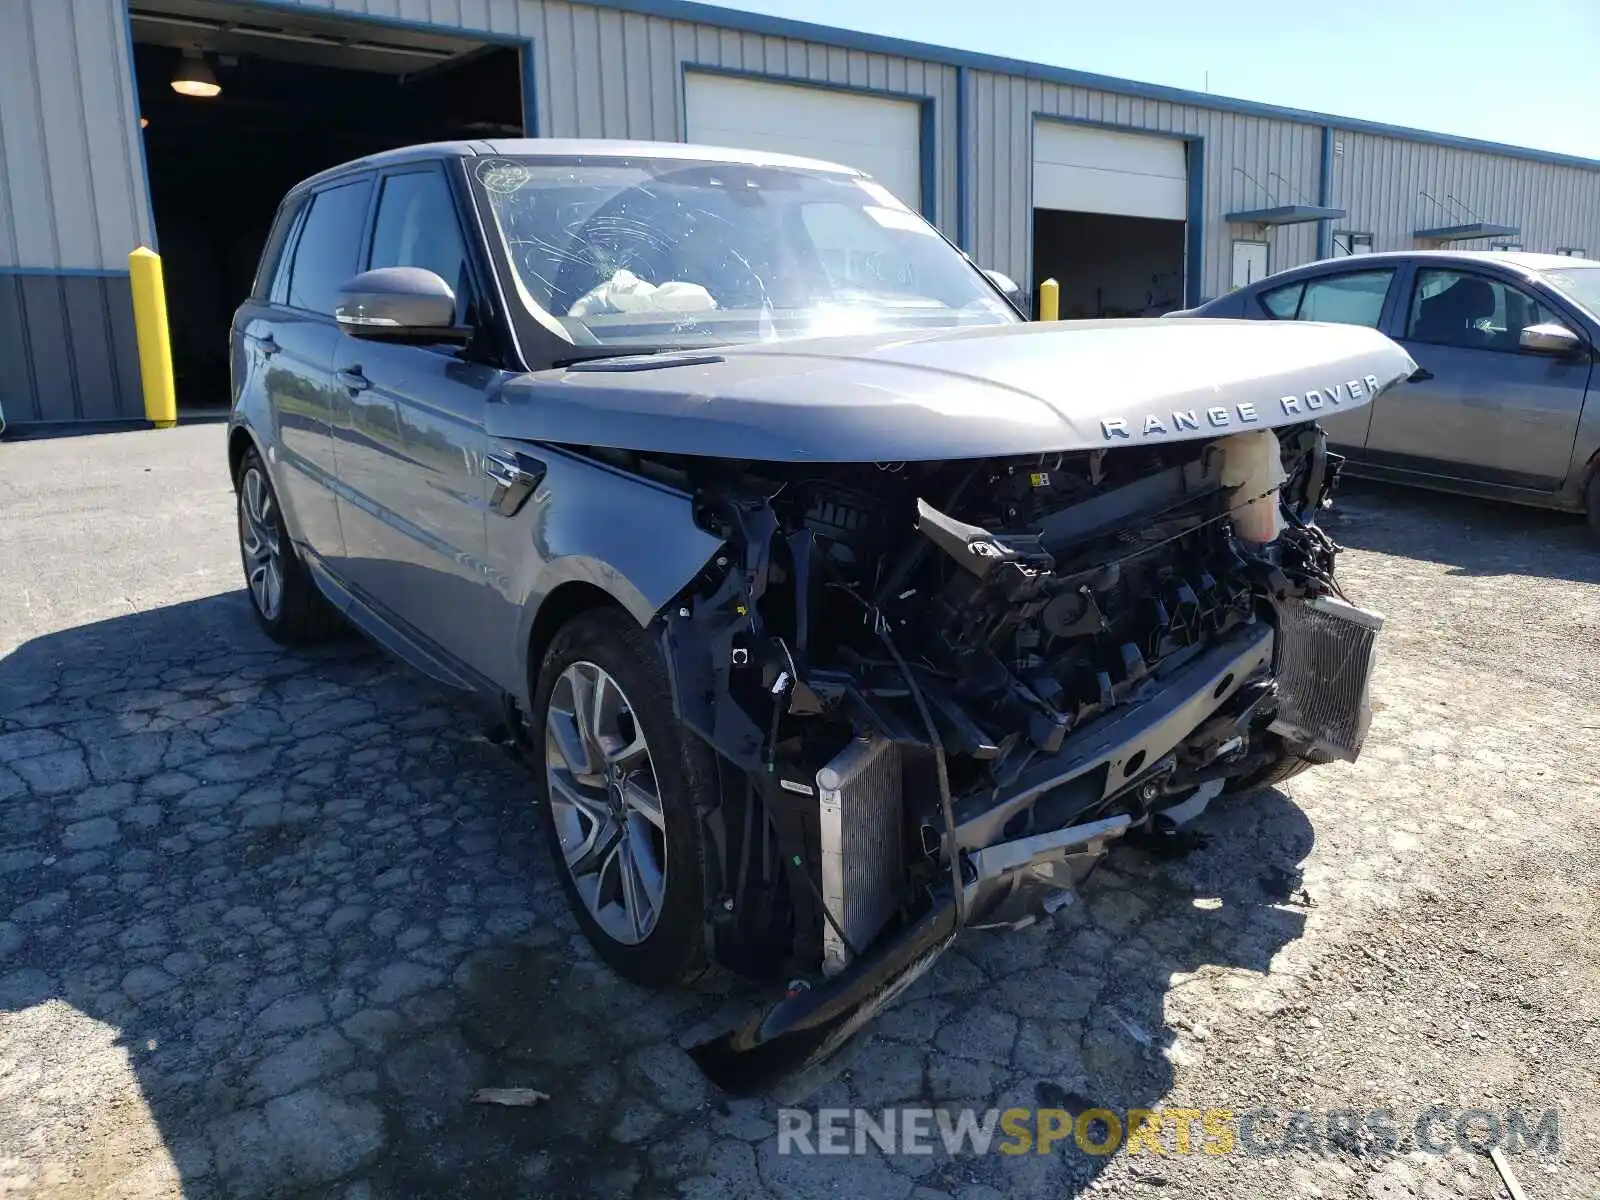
(330, 240)
(1355, 299)
(1281, 304)
(1457, 308)
(269, 269)
(1352, 299)
(417, 226)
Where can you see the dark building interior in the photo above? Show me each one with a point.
(298, 94)
(1109, 266)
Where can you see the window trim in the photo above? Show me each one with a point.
(1419, 270)
(311, 194)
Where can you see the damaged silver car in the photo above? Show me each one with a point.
(837, 607)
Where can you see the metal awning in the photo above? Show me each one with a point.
(1462, 233)
(1286, 214)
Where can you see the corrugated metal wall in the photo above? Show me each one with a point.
(72, 190)
(1386, 183)
(1249, 163)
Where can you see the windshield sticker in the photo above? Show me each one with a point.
(502, 177)
(899, 218)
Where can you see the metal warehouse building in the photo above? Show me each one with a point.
(1137, 198)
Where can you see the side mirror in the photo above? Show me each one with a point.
(1549, 339)
(1008, 287)
(399, 304)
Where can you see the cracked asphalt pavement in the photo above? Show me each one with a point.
(268, 919)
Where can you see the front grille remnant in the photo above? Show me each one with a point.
(1323, 658)
(860, 827)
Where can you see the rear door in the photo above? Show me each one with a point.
(411, 450)
(292, 341)
(1353, 296)
(1479, 407)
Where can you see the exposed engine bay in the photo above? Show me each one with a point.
(938, 689)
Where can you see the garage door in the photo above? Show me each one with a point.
(1081, 169)
(880, 136)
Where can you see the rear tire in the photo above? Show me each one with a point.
(621, 808)
(285, 599)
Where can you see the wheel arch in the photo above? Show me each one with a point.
(564, 603)
(240, 442)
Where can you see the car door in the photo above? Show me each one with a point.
(1479, 406)
(411, 447)
(290, 341)
(1346, 297)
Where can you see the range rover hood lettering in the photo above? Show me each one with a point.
(959, 393)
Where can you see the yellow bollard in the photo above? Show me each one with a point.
(155, 344)
(1049, 300)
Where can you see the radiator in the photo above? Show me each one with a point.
(862, 839)
(1323, 658)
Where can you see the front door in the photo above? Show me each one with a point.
(413, 491)
(290, 342)
(1479, 407)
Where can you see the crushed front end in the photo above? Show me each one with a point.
(938, 691)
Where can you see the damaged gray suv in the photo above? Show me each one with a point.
(836, 607)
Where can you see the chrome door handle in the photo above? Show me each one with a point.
(268, 345)
(353, 379)
(514, 476)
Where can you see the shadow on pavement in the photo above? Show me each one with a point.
(297, 906)
(1473, 537)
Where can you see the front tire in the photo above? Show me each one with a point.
(622, 782)
(283, 596)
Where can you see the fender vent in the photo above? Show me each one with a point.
(1323, 658)
(861, 837)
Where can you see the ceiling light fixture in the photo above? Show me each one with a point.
(194, 78)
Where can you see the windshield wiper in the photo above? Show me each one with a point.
(595, 353)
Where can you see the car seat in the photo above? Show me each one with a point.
(1450, 318)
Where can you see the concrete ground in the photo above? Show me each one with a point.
(268, 919)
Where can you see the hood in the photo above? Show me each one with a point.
(980, 392)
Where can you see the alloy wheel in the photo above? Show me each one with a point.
(261, 539)
(606, 802)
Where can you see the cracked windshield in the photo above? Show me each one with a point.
(673, 253)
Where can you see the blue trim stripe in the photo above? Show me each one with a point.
(1325, 193)
(963, 208)
(759, 23)
(530, 88)
(1194, 231)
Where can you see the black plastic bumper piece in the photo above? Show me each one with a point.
(807, 1026)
